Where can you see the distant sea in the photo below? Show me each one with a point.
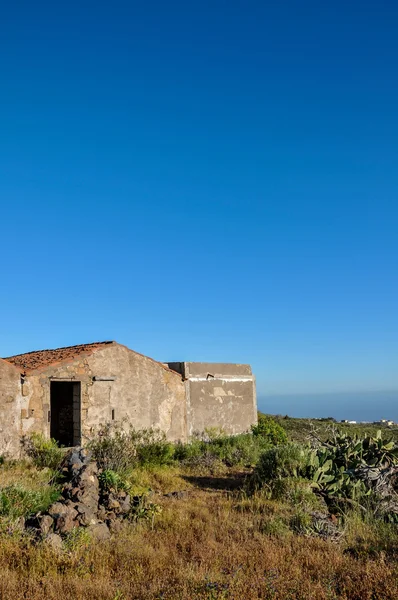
(354, 406)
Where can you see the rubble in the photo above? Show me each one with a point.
(81, 503)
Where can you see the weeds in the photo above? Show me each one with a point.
(43, 452)
(16, 501)
(121, 448)
(110, 480)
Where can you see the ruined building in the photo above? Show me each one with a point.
(68, 392)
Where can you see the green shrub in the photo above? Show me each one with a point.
(290, 460)
(276, 528)
(16, 501)
(112, 448)
(121, 449)
(77, 539)
(219, 449)
(296, 491)
(152, 447)
(43, 452)
(186, 452)
(238, 450)
(269, 429)
(206, 463)
(111, 480)
(301, 522)
(144, 510)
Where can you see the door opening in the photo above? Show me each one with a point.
(65, 412)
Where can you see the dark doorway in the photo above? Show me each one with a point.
(65, 412)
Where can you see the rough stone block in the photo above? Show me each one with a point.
(99, 532)
(54, 541)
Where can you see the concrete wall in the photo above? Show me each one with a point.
(11, 402)
(220, 395)
(131, 385)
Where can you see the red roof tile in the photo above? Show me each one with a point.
(30, 361)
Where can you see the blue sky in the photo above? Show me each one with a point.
(204, 181)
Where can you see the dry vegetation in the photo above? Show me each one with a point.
(214, 541)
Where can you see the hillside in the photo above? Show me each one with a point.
(299, 430)
(200, 529)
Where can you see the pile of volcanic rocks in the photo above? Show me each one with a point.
(81, 503)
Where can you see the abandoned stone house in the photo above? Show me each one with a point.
(67, 393)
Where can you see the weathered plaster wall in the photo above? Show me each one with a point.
(141, 390)
(220, 395)
(144, 391)
(11, 401)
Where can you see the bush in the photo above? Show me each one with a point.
(110, 480)
(153, 447)
(144, 510)
(43, 452)
(290, 460)
(297, 491)
(121, 449)
(269, 429)
(215, 450)
(16, 501)
(238, 450)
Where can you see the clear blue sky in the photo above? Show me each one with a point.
(204, 180)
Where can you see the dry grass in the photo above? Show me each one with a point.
(210, 544)
(23, 473)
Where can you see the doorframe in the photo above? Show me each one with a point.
(76, 408)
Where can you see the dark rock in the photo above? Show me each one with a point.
(101, 514)
(125, 506)
(46, 524)
(33, 522)
(113, 504)
(67, 521)
(99, 532)
(87, 516)
(65, 524)
(54, 541)
(57, 510)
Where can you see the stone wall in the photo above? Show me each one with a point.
(11, 404)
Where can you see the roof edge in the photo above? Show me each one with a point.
(88, 352)
(97, 346)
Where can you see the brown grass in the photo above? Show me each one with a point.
(210, 544)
